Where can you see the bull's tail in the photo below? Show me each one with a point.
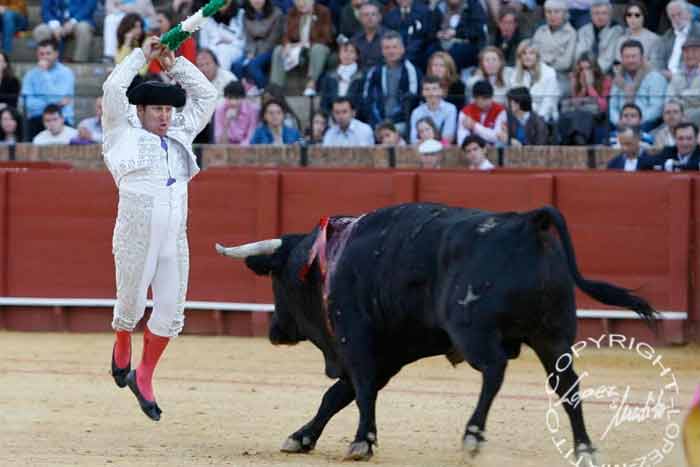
(604, 292)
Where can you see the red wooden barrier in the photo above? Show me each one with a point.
(3, 240)
(56, 230)
(631, 230)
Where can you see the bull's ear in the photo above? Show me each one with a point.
(541, 219)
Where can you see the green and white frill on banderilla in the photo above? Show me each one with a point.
(174, 38)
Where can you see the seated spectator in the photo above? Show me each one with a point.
(465, 37)
(68, 18)
(307, 39)
(600, 37)
(492, 68)
(50, 82)
(208, 64)
(273, 91)
(682, 29)
(10, 126)
(116, 10)
(685, 155)
(443, 67)
(635, 17)
(685, 84)
(344, 81)
(14, 18)
(273, 130)
(483, 116)
(556, 41)
(9, 85)
(347, 130)
(415, 22)
(532, 73)
(636, 81)
(462, 30)
(56, 132)
(350, 18)
(583, 119)
(475, 150)
(236, 119)
(224, 35)
(90, 129)
(633, 156)
(425, 130)
(130, 36)
(632, 116)
(264, 25)
(441, 113)
(164, 21)
(673, 114)
(319, 125)
(525, 127)
(368, 40)
(388, 135)
(507, 35)
(430, 154)
(391, 88)
(589, 82)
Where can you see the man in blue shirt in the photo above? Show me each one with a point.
(442, 112)
(50, 82)
(347, 131)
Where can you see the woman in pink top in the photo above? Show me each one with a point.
(236, 119)
(587, 80)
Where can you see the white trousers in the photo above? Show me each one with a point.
(150, 249)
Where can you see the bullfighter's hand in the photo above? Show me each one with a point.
(151, 48)
(166, 58)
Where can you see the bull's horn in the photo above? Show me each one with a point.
(264, 247)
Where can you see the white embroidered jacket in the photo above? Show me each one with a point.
(132, 153)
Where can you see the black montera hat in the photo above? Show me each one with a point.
(156, 93)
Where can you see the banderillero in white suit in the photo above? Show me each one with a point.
(152, 174)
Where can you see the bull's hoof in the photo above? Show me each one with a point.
(587, 456)
(359, 451)
(473, 441)
(293, 446)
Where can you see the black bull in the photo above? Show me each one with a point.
(419, 280)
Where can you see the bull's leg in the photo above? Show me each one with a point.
(482, 347)
(491, 382)
(368, 378)
(336, 398)
(565, 384)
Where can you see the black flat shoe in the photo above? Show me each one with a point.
(119, 374)
(150, 408)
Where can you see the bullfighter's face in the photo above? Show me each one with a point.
(155, 118)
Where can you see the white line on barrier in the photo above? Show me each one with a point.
(268, 307)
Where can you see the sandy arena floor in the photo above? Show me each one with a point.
(232, 401)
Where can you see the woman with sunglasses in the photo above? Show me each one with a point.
(635, 16)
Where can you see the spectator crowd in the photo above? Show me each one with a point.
(430, 73)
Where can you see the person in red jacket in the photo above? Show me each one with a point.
(483, 117)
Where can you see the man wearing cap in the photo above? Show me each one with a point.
(148, 150)
(430, 153)
(685, 84)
